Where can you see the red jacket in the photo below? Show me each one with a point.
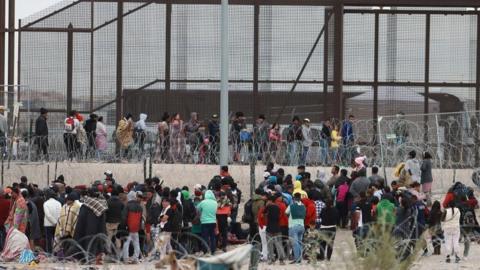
(262, 221)
(4, 210)
(283, 207)
(448, 198)
(311, 211)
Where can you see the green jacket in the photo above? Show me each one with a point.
(386, 213)
(208, 209)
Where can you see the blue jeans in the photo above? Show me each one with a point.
(323, 151)
(296, 236)
(303, 158)
(208, 235)
(294, 152)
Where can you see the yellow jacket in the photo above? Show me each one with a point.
(335, 139)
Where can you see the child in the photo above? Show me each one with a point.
(435, 227)
(451, 229)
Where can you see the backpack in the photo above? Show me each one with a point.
(298, 211)
(70, 124)
(245, 136)
(189, 211)
(248, 212)
(468, 221)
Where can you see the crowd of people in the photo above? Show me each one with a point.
(291, 218)
(197, 141)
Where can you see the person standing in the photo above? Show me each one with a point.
(4, 209)
(451, 231)
(139, 133)
(113, 218)
(260, 137)
(328, 229)
(71, 124)
(18, 216)
(307, 140)
(124, 134)
(325, 138)
(52, 209)
(101, 138)
(177, 138)
(412, 168)
(435, 227)
(294, 139)
(208, 219)
(275, 139)
(223, 212)
(90, 223)
(67, 222)
(3, 130)
(41, 134)
(426, 177)
(90, 129)
(348, 138)
(214, 138)
(132, 216)
(238, 124)
(335, 143)
(274, 236)
(296, 214)
(194, 138)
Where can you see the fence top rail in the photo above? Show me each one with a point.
(430, 114)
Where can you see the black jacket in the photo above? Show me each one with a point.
(329, 216)
(41, 128)
(115, 209)
(88, 226)
(90, 126)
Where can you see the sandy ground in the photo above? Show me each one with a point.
(181, 174)
(342, 251)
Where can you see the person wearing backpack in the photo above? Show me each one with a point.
(451, 230)
(467, 224)
(71, 124)
(296, 214)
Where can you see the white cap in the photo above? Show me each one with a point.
(266, 174)
(197, 187)
(108, 172)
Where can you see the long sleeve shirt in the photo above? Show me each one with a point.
(52, 209)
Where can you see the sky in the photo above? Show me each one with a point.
(25, 8)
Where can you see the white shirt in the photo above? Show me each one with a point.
(76, 124)
(52, 209)
(307, 136)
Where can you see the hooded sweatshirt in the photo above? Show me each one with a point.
(140, 124)
(297, 188)
(133, 213)
(208, 208)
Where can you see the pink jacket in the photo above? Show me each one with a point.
(342, 192)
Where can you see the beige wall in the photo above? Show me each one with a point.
(177, 174)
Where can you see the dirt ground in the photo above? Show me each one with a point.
(342, 251)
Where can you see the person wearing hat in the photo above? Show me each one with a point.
(3, 129)
(67, 221)
(214, 138)
(307, 140)
(41, 134)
